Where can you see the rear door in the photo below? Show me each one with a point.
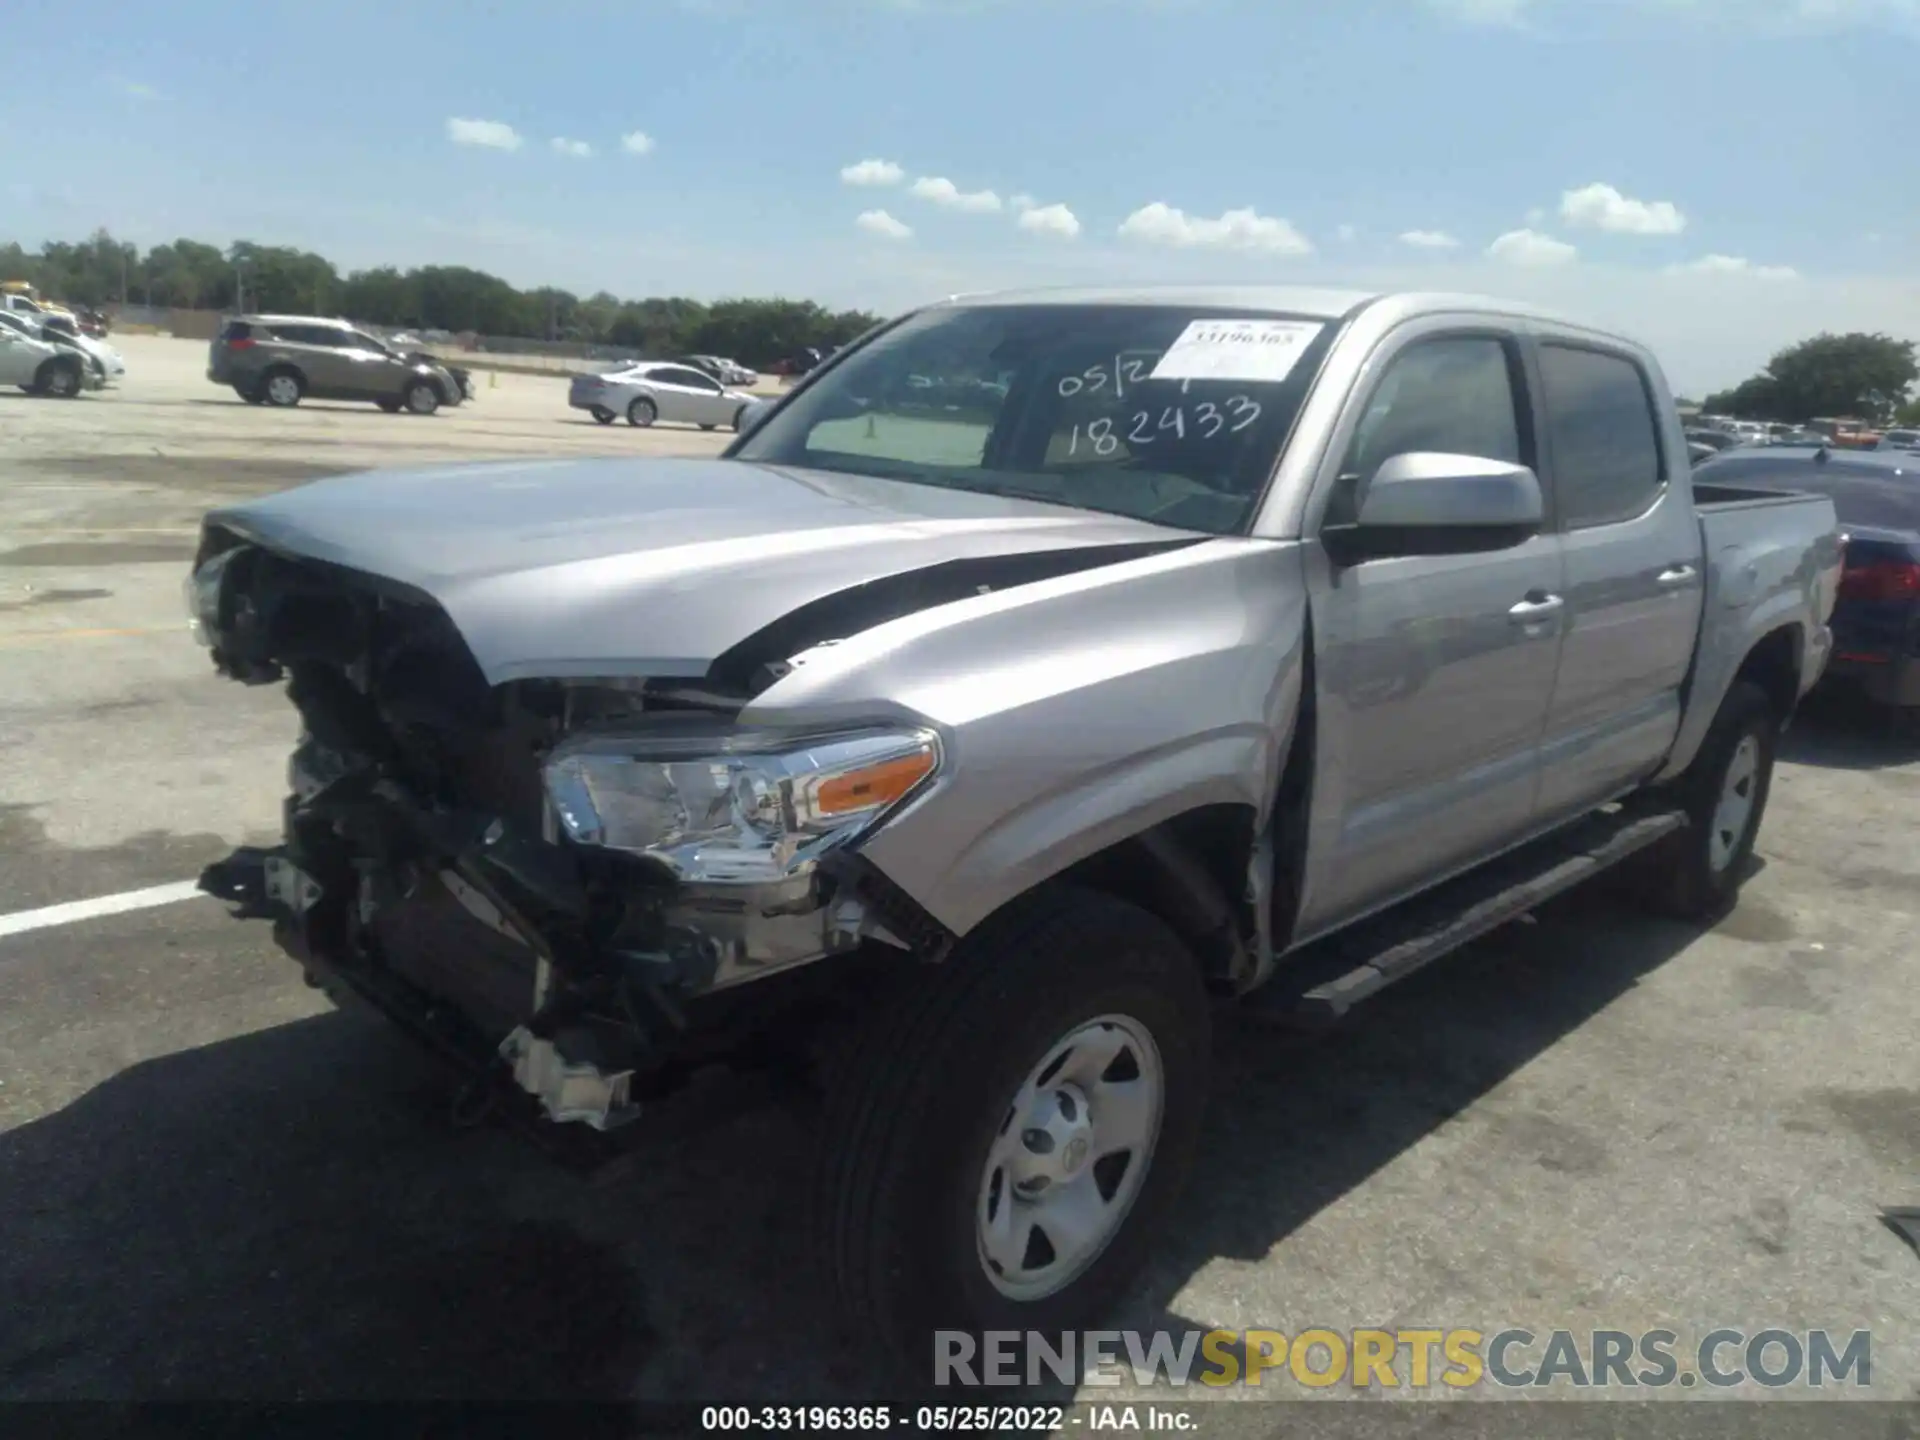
(1634, 581)
(19, 357)
(312, 351)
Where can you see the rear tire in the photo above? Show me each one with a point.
(1695, 874)
(604, 415)
(252, 397)
(642, 413)
(392, 407)
(283, 388)
(943, 1108)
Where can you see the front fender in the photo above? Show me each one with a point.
(1075, 712)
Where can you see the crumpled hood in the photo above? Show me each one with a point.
(645, 566)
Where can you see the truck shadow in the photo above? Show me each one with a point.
(289, 1213)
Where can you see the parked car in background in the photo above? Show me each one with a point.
(652, 391)
(1876, 495)
(1713, 439)
(108, 366)
(1261, 645)
(1901, 439)
(41, 367)
(283, 359)
(727, 372)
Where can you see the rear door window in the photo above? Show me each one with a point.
(1605, 435)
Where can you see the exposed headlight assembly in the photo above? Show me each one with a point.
(202, 590)
(732, 806)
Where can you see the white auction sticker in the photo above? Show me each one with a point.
(1237, 350)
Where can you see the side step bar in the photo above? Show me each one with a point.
(1321, 982)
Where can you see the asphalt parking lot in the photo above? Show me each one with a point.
(214, 1185)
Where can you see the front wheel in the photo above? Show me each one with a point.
(1695, 874)
(59, 379)
(642, 413)
(422, 397)
(1008, 1142)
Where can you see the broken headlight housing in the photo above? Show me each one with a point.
(202, 590)
(728, 806)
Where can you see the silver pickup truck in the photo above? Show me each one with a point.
(1042, 673)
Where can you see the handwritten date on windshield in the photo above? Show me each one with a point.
(1104, 436)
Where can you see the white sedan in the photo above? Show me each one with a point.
(651, 392)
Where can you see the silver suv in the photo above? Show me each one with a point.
(284, 359)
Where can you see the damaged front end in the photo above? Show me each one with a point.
(561, 884)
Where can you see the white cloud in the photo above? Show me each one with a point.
(1601, 207)
(1050, 220)
(1531, 250)
(1536, 217)
(942, 191)
(1162, 224)
(872, 173)
(578, 149)
(879, 222)
(1735, 265)
(489, 134)
(637, 142)
(1429, 240)
(1023, 201)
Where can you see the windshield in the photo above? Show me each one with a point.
(1168, 413)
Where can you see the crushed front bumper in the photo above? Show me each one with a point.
(486, 944)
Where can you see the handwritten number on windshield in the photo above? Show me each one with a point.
(1206, 420)
(1096, 378)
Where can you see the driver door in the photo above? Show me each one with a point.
(368, 370)
(18, 359)
(1434, 673)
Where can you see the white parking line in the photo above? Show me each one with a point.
(73, 911)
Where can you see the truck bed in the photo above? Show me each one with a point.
(1771, 557)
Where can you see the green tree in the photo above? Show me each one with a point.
(1867, 375)
(191, 274)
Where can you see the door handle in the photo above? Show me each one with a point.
(1532, 612)
(1677, 574)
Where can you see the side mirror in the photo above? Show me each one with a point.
(1428, 503)
(755, 412)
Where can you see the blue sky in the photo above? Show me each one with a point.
(1719, 176)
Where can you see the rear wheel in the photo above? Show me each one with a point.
(1011, 1138)
(248, 393)
(604, 415)
(642, 413)
(282, 388)
(1695, 874)
(392, 407)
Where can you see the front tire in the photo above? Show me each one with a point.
(1695, 874)
(1012, 1136)
(58, 380)
(422, 397)
(642, 413)
(282, 389)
